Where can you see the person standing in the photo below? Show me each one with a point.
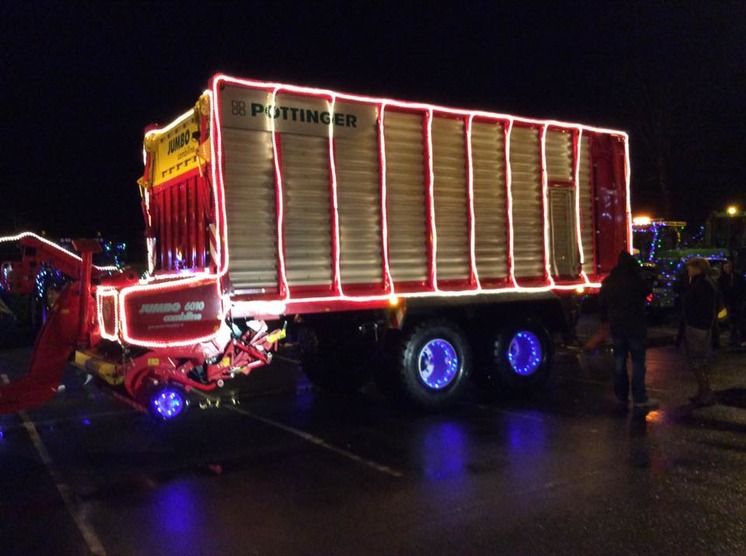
(733, 289)
(622, 306)
(699, 305)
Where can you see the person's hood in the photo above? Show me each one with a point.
(625, 261)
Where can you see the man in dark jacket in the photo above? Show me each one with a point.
(700, 310)
(732, 287)
(622, 306)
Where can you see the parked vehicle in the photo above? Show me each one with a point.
(401, 242)
(663, 250)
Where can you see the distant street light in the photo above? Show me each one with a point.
(732, 210)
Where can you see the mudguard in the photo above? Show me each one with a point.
(52, 349)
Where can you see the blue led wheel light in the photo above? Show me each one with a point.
(525, 353)
(438, 364)
(169, 403)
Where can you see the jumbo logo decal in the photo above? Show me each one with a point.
(179, 142)
(173, 311)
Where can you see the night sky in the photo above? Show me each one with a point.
(81, 80)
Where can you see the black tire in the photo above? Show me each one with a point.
(335, 360)
(433, 365)
(515, 360)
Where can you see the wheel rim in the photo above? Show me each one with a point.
(525, 353)
(438, 363)
(168, 403)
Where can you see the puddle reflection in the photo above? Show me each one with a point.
(527, 436)
(176, 508)
(443, 451)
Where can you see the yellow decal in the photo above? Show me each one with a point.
(153, 361)
(175, 149)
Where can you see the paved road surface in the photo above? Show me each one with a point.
(296, 471)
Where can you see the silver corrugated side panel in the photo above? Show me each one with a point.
(250, 208)
(359, 201)
(488, 163)
(564, 246)
(528, 224)
(451, 199)
(586, 205)
(559, 156)
(308, 243)
(405, 188)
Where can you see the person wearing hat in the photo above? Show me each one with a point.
(699, 305)
(622, 305)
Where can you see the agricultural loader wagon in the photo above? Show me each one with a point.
(402, 242)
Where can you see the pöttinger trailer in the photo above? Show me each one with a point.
(403, 242)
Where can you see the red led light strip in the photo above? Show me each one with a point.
(101, 293)
(627, 174)
(576, 149)
(276, 152)
(545, 203)
(509, 204)
(273, 307)
(62, 250)
(382, 103)
(337, 274)
(175, 285)
(474, 274)
(388, 283)
(432, 255)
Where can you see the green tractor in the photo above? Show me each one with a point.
(662, 247)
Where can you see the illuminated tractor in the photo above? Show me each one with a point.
(410, 244)
(663, 251)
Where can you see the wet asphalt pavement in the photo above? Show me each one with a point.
(292, 470)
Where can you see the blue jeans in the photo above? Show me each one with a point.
(634, 346)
